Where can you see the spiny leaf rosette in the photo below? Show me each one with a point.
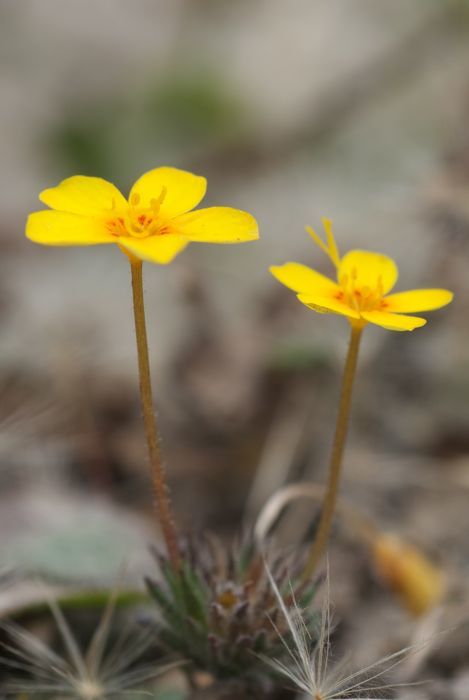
(221, 613)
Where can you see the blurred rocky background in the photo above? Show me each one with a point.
(352, 109)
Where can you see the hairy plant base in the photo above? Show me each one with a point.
(220, 613)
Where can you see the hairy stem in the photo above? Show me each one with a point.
(160, 487)
(335, 466)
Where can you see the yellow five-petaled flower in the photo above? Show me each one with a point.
(361, 292)
(155, 223)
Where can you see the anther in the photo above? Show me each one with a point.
(135, 199)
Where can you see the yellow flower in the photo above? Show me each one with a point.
(361, 292)
(419, 585)
(155, 223)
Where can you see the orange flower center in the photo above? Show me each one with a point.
(138, 221)
(361, 297)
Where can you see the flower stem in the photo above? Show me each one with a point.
(160, 487)
(335, 466)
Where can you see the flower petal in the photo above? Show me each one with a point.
(62, 228)
(393, 322)
(180, 190)
(368, 269)
(303, 279)
(217, 225)
(327, 304)
(83, 195)
(418, 300)
(154, 249)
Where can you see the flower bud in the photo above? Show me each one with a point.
(418, 584)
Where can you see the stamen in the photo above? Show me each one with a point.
(355, 298)
(379, 286)
(116, 227)
(156, 203)
(358, 297)
(318, 241)
(135, 199)
(333, 249)
(330, 249)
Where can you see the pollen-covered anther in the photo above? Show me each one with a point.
(143, 222)
(360, 298)
(117, 227)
